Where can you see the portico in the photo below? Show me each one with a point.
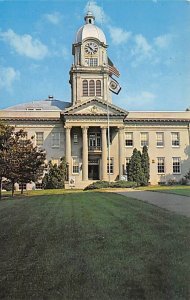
(93, 158)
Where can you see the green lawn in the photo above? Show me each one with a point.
(92, 245)
(179, 190)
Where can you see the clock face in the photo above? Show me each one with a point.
(91, 48)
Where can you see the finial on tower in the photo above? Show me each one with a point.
(89, 18)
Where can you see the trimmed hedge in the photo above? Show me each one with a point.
(115, 184)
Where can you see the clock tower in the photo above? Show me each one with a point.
(89, 74)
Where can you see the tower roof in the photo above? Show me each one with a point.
(89, 30)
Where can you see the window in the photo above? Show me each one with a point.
(127, 160)
(75, 138)
(160, 139)
(38, 186)
(129, 139)
(55, 139)
(91, 88)
(94, 140)
(144, 139)
(176, 165)
(39, 138)
(85, 87)
(22, 186)
(161, 165)
(93, 62)
(75, 165)
(98, 88)
(110, 165)
(175, 139)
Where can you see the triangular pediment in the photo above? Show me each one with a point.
(95, 107)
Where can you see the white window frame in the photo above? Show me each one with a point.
(37, 184)
(129, 133)
(37, 140)
(175, 142)
(176, 164)
(158, 140)
(24, 186)
(146, 142)
(161, 164)
(53, 144)
(75, 165)
(111, 165)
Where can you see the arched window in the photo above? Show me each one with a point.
(98, 88)
(91, 88)
(85, 87)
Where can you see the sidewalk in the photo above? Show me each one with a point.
(176, 203)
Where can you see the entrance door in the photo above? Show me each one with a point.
(93, 172)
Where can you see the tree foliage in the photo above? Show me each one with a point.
(20, 161)
(138, 167)
(135, 168)
(55, 178)
(145, 165)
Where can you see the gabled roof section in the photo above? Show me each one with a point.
(94, 107)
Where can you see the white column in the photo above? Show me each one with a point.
(104, 154)
(68, 149)
(84, 153)
(121, 150)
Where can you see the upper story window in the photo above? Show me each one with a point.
(91, 62)
(94, 140)
(98, 88)
(176, 165)
(160, 139)
(91, 88)
(55, 136)
(75, 138)
(175, 139)
(85, 87)
(39, 138)
(129, 139)
(161, 165)
(144, 139)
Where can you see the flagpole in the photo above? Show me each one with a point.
(108, 120)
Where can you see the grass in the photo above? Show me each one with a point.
(178, 189)
(92, 245)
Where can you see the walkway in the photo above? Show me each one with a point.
(176, 203)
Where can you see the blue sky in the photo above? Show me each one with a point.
(149, 42)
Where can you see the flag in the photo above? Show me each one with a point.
(112, 69)
(114, 86)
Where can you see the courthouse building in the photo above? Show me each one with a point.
(82, 129)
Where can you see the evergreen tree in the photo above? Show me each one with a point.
(145, 165)
(135, 168)
(55, 178)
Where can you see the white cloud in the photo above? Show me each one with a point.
(118, 35)
(97, 10)
(25, 44)
(7, 77)
(163, 41)
(54, 18)
(142, 47)
(140, 100)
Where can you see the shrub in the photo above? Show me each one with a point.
(106, 184)
(7, 185)
(172, 182)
